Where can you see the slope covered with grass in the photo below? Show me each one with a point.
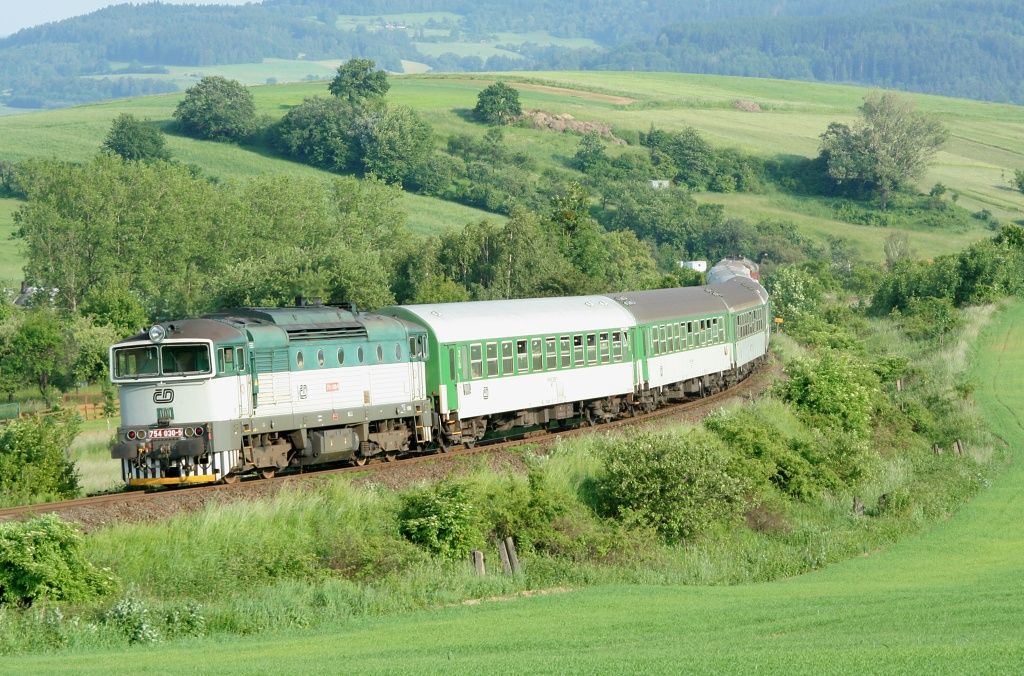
(946, 601)
(986, 145)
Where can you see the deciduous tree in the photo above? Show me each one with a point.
(498, 104)
(133, 139)
(358, 80)
(890, 146)
(217, 108)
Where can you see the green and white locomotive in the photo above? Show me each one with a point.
(259, 389)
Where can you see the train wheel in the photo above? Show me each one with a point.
(358, 461)
(390, 456)
(268, 473)
(231, 479)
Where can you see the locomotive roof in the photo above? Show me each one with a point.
(193, 329)
(492, 319)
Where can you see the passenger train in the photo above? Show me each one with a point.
(257, 390)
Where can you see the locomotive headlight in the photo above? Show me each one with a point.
(157, 333)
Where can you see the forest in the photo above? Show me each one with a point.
(940, 47)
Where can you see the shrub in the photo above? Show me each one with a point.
(675, 484)
(440, 518)
(130, 616)
(525, 511)
(33, 462)
(834, 388)
(43, 558)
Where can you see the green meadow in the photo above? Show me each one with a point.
(946, 601)
(986, 144)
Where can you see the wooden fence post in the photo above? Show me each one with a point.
(478, 562)
(503, 553)
(513, 558)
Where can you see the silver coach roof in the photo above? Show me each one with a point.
(659, 305)
(492, 319)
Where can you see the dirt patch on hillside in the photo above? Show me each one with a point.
(563, 91)
(567, 123)
(746, 106)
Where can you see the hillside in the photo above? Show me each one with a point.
(987, 142)
(945, 601)
(129, 50)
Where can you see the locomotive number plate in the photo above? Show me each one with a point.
(166, 433)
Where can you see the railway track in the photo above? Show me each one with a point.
(99, 510)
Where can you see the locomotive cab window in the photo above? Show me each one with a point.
(185, 359)
(136, 362)
(239, 360)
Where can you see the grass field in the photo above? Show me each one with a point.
(10, 249)
(948, 601)
(986, 145)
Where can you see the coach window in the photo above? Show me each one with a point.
(492, 359)
(537, 354)
(602, 345)
(577, 350)
(522, 356)
(451, 364)
(564, 347)
(476, 361)
(616, 346)
(299, 360)
(665, 345)
(652, 341)
(591, 348)
(507, 357)
(240, 360)
(413, 353)
(552, 357)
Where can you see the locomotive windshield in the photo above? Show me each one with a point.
(172, 359)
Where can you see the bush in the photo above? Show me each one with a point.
(33, 462)
(440, 518)
(834, 388)
(675, 484)
(42, 559)
(130, 616)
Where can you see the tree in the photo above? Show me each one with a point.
(890, 146)
(590, 155)
(217, 108)
(319, 131)
(1018, 179)
(358, 81)
(135, 140)
(395, 143)
(498, 104)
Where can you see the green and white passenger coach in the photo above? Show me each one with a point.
(261, 389)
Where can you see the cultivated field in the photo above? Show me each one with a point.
(947, 601)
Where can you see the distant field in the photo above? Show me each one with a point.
(947, 601)
(482, 49)
(986, 145)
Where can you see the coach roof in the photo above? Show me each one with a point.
(493, 319)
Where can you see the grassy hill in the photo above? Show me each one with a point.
(947, 601)
(987, 140)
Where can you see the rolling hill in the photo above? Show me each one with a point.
(987, 140)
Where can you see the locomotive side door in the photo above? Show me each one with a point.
(245, 375)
